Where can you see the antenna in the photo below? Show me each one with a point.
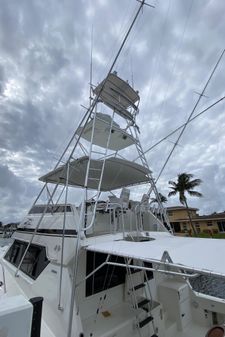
(146, 4)
(91, 67)
(132, 73)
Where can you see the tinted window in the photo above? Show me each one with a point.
(107, 276)
(34, 261)
(50, 209)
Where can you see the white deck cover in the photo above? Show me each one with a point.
(119, 139)
(118, 95)
(117, 173)
(200, 254)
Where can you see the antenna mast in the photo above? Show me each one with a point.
(91, 68)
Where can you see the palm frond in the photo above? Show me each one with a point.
(195, 182)
(172, 193)
(172, 183)
(195, 194)
(185, 175)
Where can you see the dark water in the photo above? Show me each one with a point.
(209, 285)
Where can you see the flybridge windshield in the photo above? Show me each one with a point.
(50, 209)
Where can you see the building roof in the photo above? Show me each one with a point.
(174, 208)
(212, 216)
(196, 218)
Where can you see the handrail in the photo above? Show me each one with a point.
(121, 207)
(154, 269)
(107, 207)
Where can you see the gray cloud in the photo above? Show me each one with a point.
(44, 76)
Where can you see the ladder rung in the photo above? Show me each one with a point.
(145, 321)
(98, 152)
(139, 286)
(94, 169)
(143, 302)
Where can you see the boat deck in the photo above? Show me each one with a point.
(193, 330)
(119, 320)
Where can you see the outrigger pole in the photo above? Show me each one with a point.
(180, 127)
(191, 114)
(89, 111)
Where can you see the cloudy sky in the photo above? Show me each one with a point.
(44, 79)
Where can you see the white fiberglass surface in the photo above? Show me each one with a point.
(119, 139)
(199, 254)
(117, 173)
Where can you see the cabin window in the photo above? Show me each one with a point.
(106, 277)
(50, 209)
(34, 261)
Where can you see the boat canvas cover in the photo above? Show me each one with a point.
(119, 139)
(201, 255)
(118, 95)
(117, 173)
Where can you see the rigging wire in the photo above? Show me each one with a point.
(132, 39)
(179, 127)
(126, 18)
(162, 105)
(191, 114)
(155, 65)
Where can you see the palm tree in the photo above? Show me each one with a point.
(162, 198)
(185, 184)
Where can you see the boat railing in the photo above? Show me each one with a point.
(138, 218)
(141, 208)
(109, 207)
(113, 206)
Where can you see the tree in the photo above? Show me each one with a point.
(162, 198)
(184, 185)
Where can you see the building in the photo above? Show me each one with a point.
(211, 224)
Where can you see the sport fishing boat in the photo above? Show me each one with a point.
(111, 266)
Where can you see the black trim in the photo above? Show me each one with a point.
(36, 317)
(48, 231)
